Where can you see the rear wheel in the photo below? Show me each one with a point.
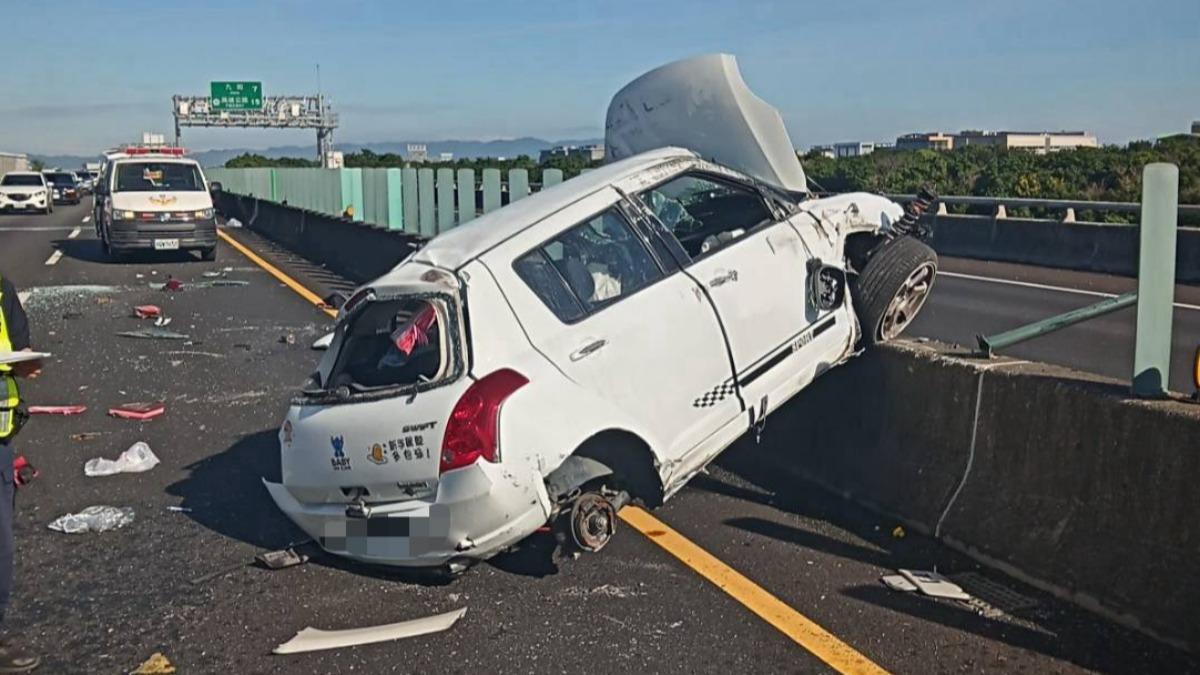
(892, 288)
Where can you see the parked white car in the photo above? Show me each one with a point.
(598, 342)
(25, 191)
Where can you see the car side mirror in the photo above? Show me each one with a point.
(826, 285)
(214, 186)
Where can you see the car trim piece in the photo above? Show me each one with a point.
(782, 351)
(314, 639)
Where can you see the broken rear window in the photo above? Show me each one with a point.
(393, 343)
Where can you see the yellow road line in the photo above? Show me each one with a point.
(837, 654)
(275, 272)
(802, 630)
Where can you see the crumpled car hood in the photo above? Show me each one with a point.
(702, 104)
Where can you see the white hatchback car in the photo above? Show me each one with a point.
(600, 341)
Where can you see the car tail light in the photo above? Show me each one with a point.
(473, 429)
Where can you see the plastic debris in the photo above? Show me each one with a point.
(323, 342)
(277, 560)
(222, 283)
(93, 519)
(898, 532)
(313, 639)
(157, 664)
(233, 222)
(172, 284)
(288, 339)
(138, 458)
(23, 471)
(213, 274)
(162, 321)
(153, 334)
(934, 584)
(86, 436)
(179, 509)
(138, 411)
(897, 582)
(147, 311)
(56, 409)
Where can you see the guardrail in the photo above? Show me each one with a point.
(1000, 205)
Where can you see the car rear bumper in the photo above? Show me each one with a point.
(193, 235)
(478, 511)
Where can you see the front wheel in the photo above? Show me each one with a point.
(892, 288)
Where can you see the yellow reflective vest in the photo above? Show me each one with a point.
(9, 395)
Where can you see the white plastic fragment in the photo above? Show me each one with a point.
(934, 584)
(233, 222)
(93, 519)
(313, 639)
(138, 458)
(323, 342)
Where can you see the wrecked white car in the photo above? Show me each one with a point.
(598, 342)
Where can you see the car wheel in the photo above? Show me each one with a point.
(892, 288)
(208, 254)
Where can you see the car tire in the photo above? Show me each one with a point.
(892, 288)
(208, 254)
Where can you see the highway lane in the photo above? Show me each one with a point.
(102, 603)
(975, 297)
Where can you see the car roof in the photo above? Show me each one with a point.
(464, 243)
(23, 173)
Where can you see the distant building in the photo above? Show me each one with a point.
(1196, 128)
(934, 140)
(445, 156)
(416, 152)
(853, 149)
(823, 150)
(590, 153)
(1040, 142)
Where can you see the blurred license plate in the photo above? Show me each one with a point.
(166, 244)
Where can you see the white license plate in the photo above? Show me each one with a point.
(166, 244)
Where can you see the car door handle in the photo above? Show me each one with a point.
(588, 349)
(722, 279)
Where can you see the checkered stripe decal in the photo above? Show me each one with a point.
(715, 395)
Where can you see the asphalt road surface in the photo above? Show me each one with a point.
(102, 603)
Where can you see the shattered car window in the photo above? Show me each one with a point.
(595, 264)
(392, 343)
(705, 214)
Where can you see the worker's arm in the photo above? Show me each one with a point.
(18, 330)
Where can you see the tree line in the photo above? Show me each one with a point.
(367, 159)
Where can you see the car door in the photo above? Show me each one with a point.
(754, 266)
(626, 324)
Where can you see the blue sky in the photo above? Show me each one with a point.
(81, 76)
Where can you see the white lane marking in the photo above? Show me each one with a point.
(34, 228)
(86, 219)
(74, 233)
(1046, 287)
(54, 258)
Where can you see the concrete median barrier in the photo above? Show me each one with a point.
(353, 250)
(1056, 477)
(1092, 247)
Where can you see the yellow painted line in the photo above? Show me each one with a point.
(802, 630)
(278, 274)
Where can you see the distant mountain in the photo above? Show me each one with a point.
(459, 148)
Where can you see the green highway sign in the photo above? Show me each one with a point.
(237, 95)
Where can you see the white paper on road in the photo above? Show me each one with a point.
(7, 358)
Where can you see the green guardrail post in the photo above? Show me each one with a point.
(408, 187)
(491, 190)
(990, 343)
(466, 195)
(551, 177)
(518, 184)
(425, 202)
(1156, 279)
(395, 200)
(445, 199)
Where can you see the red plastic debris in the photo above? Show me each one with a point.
(138, 411)
(56, 409)
(23, 471)
(415, 332)
(173, 284)
(147, 311)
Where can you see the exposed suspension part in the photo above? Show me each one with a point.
(910, 224)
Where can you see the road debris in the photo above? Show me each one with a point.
(213, 274)
(56, 409)
(23, 471)
(323, 342)
(179, 509)
(312, 639)
(222, 283)
(138, 458)
(138, 411)
(172, 284)
(934, 585)
(898, 532)
(157, 664)
(897, 582)
(162, 321)
(86, 435)
(93, 519)
(147, 311)
(288, 339)
(153, 334)
(281, 559)
(233, 222)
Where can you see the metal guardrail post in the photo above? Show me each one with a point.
(1156, 279)
(989, 343)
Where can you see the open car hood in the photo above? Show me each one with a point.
(703, 104)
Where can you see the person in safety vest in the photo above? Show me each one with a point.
(14, 337)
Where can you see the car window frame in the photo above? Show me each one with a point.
(774, 216)
(639, 235)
